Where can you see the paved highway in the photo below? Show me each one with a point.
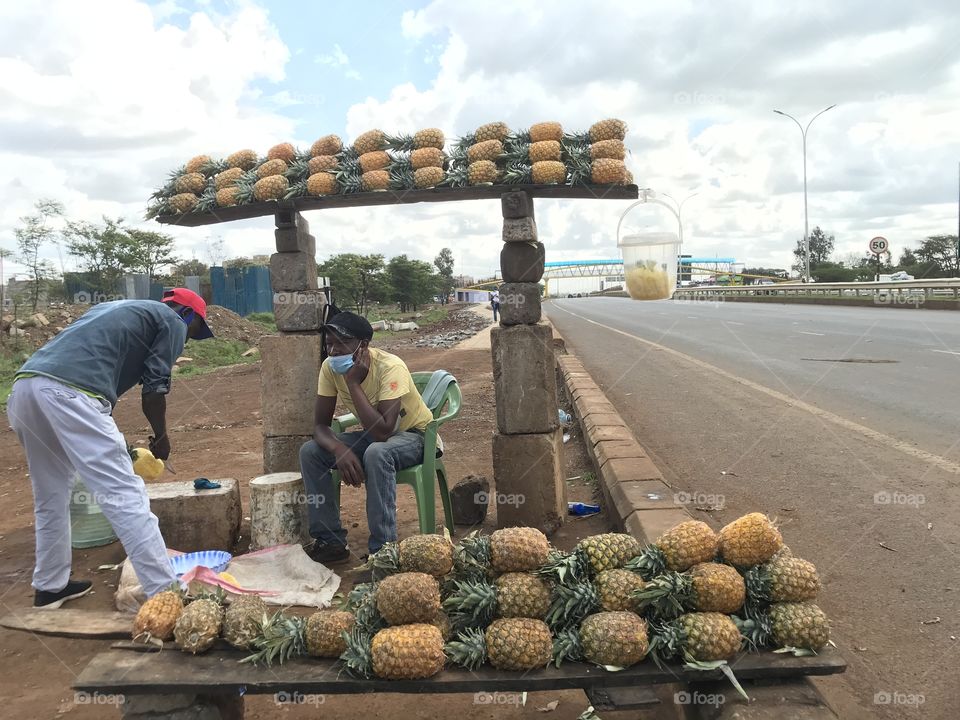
(745, 407)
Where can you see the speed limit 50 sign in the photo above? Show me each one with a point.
(879, 245)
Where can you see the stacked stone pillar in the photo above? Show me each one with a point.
(291, 359)
(528, 446)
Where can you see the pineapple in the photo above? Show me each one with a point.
(483, 172)
(275, 166)
(241, 621)
(609, 639)
(327, 145)
(606, 171)
(616, 587)
(274, 187)
(426, 157)
(428, 177)
(784, 579)
(228, 197)
(283, 151)
(370, 141)
(158, 615)
(404, 652)
(322, 183)
(513, 549)
(324, 633)
(322, 163)
(706, 587)
(227, 178)
(491, 131)
(198, 626)
(377, 160)
(801, 627)
(696, 637)
(628, 179)
(427, 138)
(193, 182)
(544, 150)
(431, 554)
(487, 150)
(593, 555)
(375, 180)
(549, 172)
(546, 131)
(749, 540)
(678, 549)
(198, 164)
(183, 203)
(442, 622)
(614, 149)
(603, 130)
(507, 644)
(410, 597)
(242, 159)
(514, 594)
(280, 638)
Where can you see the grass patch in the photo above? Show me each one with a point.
(429, 316)
(212, 353)
(10, 362)
(264, 319)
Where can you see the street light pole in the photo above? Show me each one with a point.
(677, 213)
(806, 225)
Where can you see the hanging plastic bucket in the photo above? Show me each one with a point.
(88, 525)
(650, 265)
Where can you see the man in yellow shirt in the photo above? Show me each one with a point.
(378, 389)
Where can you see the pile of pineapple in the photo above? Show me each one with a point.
(510, 600)
(377, 161)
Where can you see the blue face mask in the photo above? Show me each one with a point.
(341, 364)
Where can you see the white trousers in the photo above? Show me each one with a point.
(66, 433)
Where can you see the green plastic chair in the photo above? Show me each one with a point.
(420, 477)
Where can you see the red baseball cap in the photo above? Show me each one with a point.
(190, 299)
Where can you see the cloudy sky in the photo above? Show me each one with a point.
(100, 99)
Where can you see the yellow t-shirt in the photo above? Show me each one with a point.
(387, 378)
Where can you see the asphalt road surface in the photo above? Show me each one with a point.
(842, 422)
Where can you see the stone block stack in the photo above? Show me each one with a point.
(528, 446)
(291, 359)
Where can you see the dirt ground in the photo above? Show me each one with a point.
(215, 428)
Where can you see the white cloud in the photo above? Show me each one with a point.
(337, 58)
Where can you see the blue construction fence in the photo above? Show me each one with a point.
(244, 290)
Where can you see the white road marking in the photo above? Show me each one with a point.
(733, 322)
(947, 352)
(892, 442)
(804, 332)
(691, 317)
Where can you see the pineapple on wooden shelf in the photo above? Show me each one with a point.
(506, 644)
(613, 640)
(400, 652)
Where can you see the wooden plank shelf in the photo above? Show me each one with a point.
(170, 671)
(399, 197)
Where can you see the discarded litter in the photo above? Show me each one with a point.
(582, 509)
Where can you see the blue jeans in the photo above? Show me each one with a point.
(381, 461)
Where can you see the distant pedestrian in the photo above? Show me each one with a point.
(495, 304)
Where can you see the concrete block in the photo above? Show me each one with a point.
(520, 304)
(628, 497)
(291, 240)
(192, 520)
(516, 205)
(617, 450)
(293, 271)
(470, 499)
(630, 469)
(299, 311)
(609, 432)
(596, 420)
(282, 454)
(288, 383)
(648, 525)
(290, 218)
(522, 262)
(592, 404)
(519, 230)
(524, 379)
(528, 479)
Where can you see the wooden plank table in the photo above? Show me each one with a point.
(399, 197)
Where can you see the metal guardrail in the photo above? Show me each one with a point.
(934, 288)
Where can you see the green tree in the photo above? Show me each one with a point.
(907, 259)
(242, 262)
(34, 233)
(821, 248)
(412, 282)
(833, 272)
(105, 251)
(358, 278)
(940, 252)
(150, 251)
(444, 264)
(186, 268)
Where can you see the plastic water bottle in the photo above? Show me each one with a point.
(581, 509)
(564, 416)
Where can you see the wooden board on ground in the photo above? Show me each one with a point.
(122, 671)
(400, 197)
(71, 623)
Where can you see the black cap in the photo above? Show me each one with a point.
(350, 326)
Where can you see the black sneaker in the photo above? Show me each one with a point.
(52, 600)
(327, 552)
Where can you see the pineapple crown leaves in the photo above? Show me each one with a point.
(297, 189)
(457, 176)
(469, 650)
(213, 167)
(244, 191)
(517, 172)
(754, 626)
(650, 563)
(666, 595)
(278, 638)
(563, 567)
(357, 658)
(208, 200)
(667, 640)
(567, 646)
(473, 551)
(472, 603)
(401, 178)
(299, 170)
(217, 595)
(569, 604)
(386, 561)
(402, 142)
(758, 583)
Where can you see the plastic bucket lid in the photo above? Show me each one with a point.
(657, 238)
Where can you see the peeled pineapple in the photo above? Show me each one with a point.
(145, 464)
